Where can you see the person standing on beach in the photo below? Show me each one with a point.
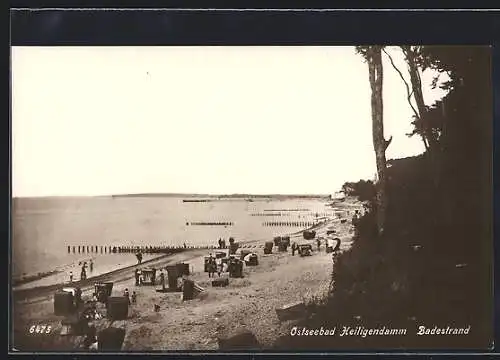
(136, 274)
(83, 274)
(141, 277)
(294, 247)
(210, 266)
(127, 295)
(218, 264)
(71, 276)
(91, 265)
(318, 241)
(162, 280)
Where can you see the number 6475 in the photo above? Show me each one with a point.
(40, 329)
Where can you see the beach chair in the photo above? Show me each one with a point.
(148, 276)
(64, 303)
(283, 246)
(268, 247)
(220, 254)
(103, 291)
(67, 300)
(220, 282)
(117, 307)
(235, 268)
(251, 259)
(243, 253)
(277, 240)
(309, 234)
(286, 240)
(110, 338)
(305, 250)
(74, 325)
(233, 247)
(188, 290)
(182, 269)
(173, 275)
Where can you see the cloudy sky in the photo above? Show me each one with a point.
(112, 120)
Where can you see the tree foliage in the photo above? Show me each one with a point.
(363, 189)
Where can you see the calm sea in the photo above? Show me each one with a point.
(43, 228)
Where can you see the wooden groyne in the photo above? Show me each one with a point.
(125, 249)
(284, 213)
(216, 223)
(289, 223)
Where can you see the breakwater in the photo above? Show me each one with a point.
(124, 249)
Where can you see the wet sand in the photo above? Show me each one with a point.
(103, 264)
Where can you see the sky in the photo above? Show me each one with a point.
(261, 120)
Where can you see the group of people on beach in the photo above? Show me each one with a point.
(216, 265)
(329, 244)
(222, 244)
(132, 299)
(140, 277)
(83, 271)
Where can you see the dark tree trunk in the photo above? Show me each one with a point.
(379, 143)
(416, 84)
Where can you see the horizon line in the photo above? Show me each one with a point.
(176, 194)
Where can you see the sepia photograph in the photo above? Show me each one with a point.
(251, 198)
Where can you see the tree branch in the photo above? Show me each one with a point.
(408, 92)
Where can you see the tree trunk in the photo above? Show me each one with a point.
(434, 147)
(416, 84)
(379, 142)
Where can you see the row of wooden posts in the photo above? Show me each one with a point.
(280, 214)
(287, 210)
(289, 223)
(229, 223)
(101, 249)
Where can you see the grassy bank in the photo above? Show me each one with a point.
(431, 268)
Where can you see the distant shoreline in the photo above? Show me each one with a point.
(183, 195)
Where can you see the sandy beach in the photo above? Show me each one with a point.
(248, 302)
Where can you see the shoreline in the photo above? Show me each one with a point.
(16, 290)
(82, 283)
